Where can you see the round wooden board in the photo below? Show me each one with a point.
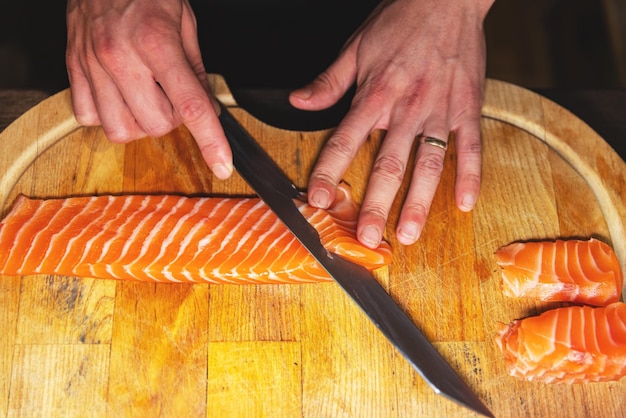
(104, 348)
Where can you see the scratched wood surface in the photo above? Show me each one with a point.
(88, 347)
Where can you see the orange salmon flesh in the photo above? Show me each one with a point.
(575, 344)
(167, 238)
(580, 271)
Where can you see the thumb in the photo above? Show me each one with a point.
(329, 86)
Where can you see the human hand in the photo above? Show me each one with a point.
(135, 68)
(419, 68)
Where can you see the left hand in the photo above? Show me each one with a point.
(419, 67)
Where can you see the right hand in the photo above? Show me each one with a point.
(135, 68)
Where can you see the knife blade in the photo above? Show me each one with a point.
(267, 179)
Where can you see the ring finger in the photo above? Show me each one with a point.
(429, 162)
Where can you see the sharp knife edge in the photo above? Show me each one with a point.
(278, 192)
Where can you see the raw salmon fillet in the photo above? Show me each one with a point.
(175, 239)
(582, 271)
(575, 344)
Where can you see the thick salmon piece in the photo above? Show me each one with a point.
(175, 239)
(581, 271)
(575, 344)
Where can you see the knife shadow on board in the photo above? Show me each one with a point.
(273, 108)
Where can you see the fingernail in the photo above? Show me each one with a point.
(321, 199)
(222, 171)
(468, 202)
(304, 93)
(370, 236)
(408, 234)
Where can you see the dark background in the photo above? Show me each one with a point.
(539, 44)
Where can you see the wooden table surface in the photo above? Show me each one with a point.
(89, 347)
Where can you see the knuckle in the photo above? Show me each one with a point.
(430, 164)
(341, 145)
(192, 108)
(414, 96)
(159, 130)
(119, 136)
(326, 79)
(474, 95)
(391, 167)
(87, 118)
(470, 106)
(472, 179)
(122, 131)
(198, 68)
(322, 177)
(209, 147)
(72, 62)
(153, 31)
(417, 209)
(149, 38)
(470, 147)
(109, 52)
(375, 212)
(375, 90)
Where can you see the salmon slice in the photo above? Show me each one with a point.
(581, 271)
(575, 344)
(175, 239)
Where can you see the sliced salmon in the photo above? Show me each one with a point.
(575, 344)
(581, 271)
(168, 238)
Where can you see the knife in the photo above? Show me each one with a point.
(277, 191)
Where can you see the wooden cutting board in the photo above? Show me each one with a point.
(88, 347)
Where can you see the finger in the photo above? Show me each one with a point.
(130, 71)
(146, 100)
(118, 122)
(429, 162)
(193, 106)
(466, 116)
(468, 149)
(339, 152)
(385, 179)
(83, 102)
(194, 53)
(149, 104)
(191, 46)
(329, 86)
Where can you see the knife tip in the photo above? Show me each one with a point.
(470, 401)
(477, 406)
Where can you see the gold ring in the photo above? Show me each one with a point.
(434, 141)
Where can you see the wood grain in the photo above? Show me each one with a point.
(88, 347)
